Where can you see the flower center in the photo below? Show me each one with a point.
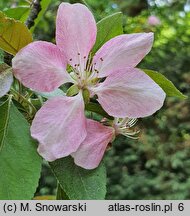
(84, 73)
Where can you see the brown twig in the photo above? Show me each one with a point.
(8, 58)
(36, 8)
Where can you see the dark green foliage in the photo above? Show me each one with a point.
(20, 165)
(79, 183)
(155, 167)
(107, 28)
(158, 165)
(47, 184)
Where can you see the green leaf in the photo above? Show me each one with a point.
(20, 164)
(44, 5)
(86, 96)
(78, 183)
(61, 195)
(96, 108)
(18, 13)
(108, 28)
(73, 90)
(165, 84)
(14, 35)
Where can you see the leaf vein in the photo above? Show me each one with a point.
(6, 127)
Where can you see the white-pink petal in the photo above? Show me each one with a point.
(60, 127)
(75, 32)
(91, 151)
(6, 79)
(41, 66)
(130, 93)
(122, 51)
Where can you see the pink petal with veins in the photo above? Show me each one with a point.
(92, 149)
(60, 127)
(75, 32)
(130, 93)
(122, 51)
(40, 66)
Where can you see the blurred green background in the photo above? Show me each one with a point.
(157, 166)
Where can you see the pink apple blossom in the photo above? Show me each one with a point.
(60, 125)
(153, 20)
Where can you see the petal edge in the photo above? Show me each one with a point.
(59, 126)
(122, 51)
(40, 66)
(92, 149)
(75, 32)
(130, 93)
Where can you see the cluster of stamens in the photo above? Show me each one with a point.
(126, 127)
(84, 74)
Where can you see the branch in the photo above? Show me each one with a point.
(36, 8)
(8, 58)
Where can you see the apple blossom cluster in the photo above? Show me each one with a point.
(109, 76)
